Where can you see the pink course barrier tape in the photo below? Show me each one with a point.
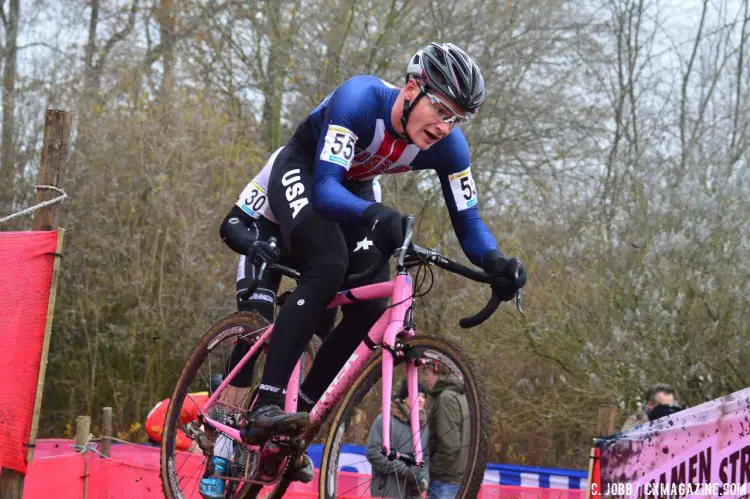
(132, 472)
(26, 263)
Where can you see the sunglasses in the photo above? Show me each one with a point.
(444, 110)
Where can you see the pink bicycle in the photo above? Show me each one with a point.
(391, 352)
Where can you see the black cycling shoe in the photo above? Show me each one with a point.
(302, 471)
(270, 420)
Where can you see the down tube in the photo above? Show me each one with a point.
(346, 376)
(245, 358)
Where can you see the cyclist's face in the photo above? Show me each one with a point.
(426, 125)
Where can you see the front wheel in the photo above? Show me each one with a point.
(352, 464)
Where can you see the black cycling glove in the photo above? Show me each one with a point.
(263, 251)
(509, 275)
(385, 226)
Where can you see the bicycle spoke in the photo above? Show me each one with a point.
(220, 350)
(356, 419)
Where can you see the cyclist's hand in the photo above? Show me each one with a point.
(509, 275)
(385, 226)
(264, 251)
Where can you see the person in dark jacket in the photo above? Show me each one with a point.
(395, 478)
(660, 401)
(449, 432)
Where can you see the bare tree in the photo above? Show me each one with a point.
(10, 56)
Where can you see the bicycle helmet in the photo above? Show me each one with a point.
(447, 69)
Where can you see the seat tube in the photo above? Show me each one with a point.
(292, 388)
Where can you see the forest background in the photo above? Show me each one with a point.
(610, 156)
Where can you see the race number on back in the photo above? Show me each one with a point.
(464, 190)
(339, 146)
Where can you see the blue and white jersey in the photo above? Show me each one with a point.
(356, 141)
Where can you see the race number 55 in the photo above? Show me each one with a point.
(339, 146)
(467, 186)
(464, 190)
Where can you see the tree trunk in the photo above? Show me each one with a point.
(280, 41)
(274, 78)
(167, 38)
(9, 87)
(89, 76)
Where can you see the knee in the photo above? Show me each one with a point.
(320, 251)
(326, 323)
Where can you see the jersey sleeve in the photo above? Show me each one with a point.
(349, 109)
(462, 200)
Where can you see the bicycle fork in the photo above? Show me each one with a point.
(400, 322)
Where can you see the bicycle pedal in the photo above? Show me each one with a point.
(282, 440)
(293, 443)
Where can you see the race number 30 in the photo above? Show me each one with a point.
(253, 199)
(339, 146)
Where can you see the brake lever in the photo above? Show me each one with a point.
(519, 295)
(273, 244)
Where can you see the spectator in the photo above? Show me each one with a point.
(394, 478)
(660, 402)
(449, 431)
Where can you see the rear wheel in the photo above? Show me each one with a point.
(186, 444)
(346, 470)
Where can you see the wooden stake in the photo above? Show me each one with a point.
(606, 422)
(106, 430)
(54, 153)
(45, 347)
(83, 430)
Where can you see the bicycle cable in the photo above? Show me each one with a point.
(418, 284)
(427, 268)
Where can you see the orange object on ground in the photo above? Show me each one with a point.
(191, 408)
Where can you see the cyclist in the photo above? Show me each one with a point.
(365, 127)
(247, 229)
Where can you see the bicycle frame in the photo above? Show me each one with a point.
(384, 332)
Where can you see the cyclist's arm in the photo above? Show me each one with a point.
(238, 230)
(349, 107)
(461, 198)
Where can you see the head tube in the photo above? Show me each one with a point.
(408, 233)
